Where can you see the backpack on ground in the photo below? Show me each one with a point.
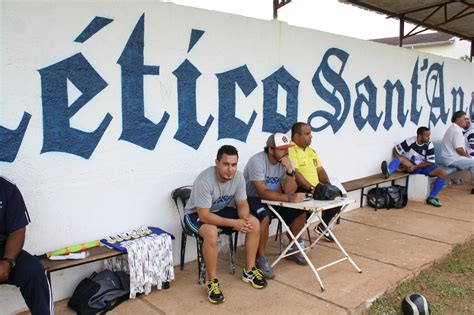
(398, 196)
(100, 293)
(387, 197)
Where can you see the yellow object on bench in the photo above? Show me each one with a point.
(73, 248)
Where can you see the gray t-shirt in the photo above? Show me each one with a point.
(209, 193)
(259, 168)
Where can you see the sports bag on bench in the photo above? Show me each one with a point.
(100, 293)
(387, 197)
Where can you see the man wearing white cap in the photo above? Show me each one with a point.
(270, 175)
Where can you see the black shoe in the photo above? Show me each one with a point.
(214, 293)
(385, 171)
(472, 191)
(319, 229)
(255, 278)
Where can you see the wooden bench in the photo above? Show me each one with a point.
(373, 180)
(95, 254)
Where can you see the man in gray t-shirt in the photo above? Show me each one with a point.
(219, 200)
(270, 175)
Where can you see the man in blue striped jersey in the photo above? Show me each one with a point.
(416, 156)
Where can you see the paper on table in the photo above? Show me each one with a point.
(336, 182)
(80, 255)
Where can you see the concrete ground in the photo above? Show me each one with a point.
(389, 246)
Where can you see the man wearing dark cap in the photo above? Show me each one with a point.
(270, 175)
(18, 267)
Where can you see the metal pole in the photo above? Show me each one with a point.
(402, 31)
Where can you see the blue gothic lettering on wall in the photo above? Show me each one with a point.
(370, 100)
(229, 125)
(334, 78)
(136, 128)
(272, 120)
(58, 135)
(328, 83)
(458, 94)
(195, 36)
(436, 99)
(415, 112)
(94, 26)
(401, 114)
(10, 140)
(189, 132)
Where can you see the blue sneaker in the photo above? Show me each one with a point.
(297, 257)
(264, 266)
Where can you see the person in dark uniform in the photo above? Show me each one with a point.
(18, 267)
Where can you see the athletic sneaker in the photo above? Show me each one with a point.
(264, 266)
(385, 171)
(434, 202)
(297, 257)
(255, 278)
(319, 229)
(214, 293)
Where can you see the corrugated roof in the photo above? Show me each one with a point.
(428, 38)
(454, 17)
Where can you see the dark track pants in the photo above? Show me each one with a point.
(30, 277)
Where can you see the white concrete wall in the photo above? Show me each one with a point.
(72, 199)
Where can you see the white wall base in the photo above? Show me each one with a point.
(418, 187)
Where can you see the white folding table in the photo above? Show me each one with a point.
(316, 207)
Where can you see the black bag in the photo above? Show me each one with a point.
(100, 293)
(398, 196)
(326, 192)
(388, 197)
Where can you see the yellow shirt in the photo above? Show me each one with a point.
(306, 161)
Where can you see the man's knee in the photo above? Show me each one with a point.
(209, 233)
(440, 172)
(255, 224)
(27, 267)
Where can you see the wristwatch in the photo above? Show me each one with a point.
(12, 262)
(292, 173)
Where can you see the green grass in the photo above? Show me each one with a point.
(448, 285)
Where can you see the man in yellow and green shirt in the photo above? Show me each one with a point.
(309, 170)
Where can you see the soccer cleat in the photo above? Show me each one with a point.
(264, 266)
(319, 229)
(385, 171)
(214, 293)
(434, 202)
(255, 278)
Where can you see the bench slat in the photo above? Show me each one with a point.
(95, 254)
(371, 180)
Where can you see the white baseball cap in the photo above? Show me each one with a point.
(279, 141)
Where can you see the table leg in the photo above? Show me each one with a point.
(327, 228)
(295, 241)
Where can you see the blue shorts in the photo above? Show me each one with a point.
(425, 171)
(193, 223)
(260, 210)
